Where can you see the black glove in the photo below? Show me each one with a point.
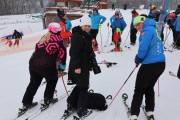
(137, 60)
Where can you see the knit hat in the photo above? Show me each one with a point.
(85, 20)
(54, 27)
(118, 12)
(139, 19)
(60, 13)
(153, 7)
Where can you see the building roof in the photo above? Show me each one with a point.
(68, 0)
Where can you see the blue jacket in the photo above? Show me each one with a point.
(68, 25)
(150, 45)
(177, 24)
(119, 23)
(112, 19)
(96, 20)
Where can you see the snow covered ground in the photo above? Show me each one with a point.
(15, 78)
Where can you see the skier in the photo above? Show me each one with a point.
(151, 56)
(170, 21)
(81, 53)
(118, 25)
(113, 2)
(133, 30)
(62, 21)
(68, 28)
(48, 58)
(154, 14)
(111, 21)
(177, 28)
(96, 20)
(9, 42)
(125, 6)
(17, 36)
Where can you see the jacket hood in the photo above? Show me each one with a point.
(149, 22)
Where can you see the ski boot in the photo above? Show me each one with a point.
(133, 117)
(47, 102)
(68, 112)
(25, 108)
(150, 115)
(132, 43)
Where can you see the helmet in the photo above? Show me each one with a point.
(139, 19)
(172, 15)
(54, 27)
(153, 7)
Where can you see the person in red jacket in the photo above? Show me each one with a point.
(133, 30)
(9, 42)
(62, 18)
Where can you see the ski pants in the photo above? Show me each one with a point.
(16, 42)
(133, 35)
(177, 38)
(94, 33)
(78, 98)
(112, 35)
(36, 77)
(147, 76)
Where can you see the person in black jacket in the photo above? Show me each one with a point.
(17, 36)
(48, 58)
(81, 53)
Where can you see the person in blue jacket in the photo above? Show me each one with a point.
(154, 14)
(111, 21)
(177, 29)
(96, 20)
(118, 25)
(68, 28)
(151, 56)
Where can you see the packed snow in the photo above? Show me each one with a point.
(15, 78)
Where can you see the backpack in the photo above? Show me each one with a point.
(96, 101)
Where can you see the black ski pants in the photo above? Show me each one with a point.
(94, 33)
(36, 77)
(177, 38)
(78, 98)
(147, 76)
(133, 35)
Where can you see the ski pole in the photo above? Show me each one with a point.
(126, 38)
(175, 43)
(65, 86)
(123, 85)
(108, 36)
(167, 37)
(158, 88)
(101, 37)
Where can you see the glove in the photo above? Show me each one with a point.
(100, 26)
(61, 67)
(118, 30)
(137, 60)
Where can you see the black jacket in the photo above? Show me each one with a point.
(16, 35)
(80, 52)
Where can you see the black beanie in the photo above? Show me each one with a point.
(60, 13)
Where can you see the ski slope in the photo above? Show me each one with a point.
(15, 78)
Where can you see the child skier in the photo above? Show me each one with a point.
(9, 42)
(118, 25)
(133, 30)
(111, 21)
(96, 20)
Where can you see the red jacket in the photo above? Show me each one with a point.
(63, 33)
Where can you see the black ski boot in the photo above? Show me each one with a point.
(47, 102)
(25, 108)
(68, 112)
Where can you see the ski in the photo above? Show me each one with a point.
(22, 112)
(128, 110)
(75, 117)
(147, 117)
(111, 51)
(66, 114)
(172, 74)
(41, 109)
(108, 64)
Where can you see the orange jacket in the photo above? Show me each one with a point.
(63, 32)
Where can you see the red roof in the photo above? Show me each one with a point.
(68, 0)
